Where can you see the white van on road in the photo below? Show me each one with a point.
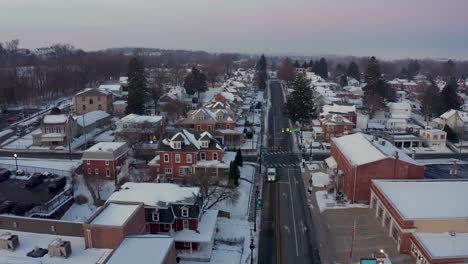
(271, 174)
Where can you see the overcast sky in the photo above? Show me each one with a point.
(386, 28)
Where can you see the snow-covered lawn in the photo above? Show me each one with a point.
(229, 156)
(79, 213)
(327, 201)
(320, 179)
(103, 188)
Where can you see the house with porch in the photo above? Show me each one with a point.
(174, 211)
(56, 129)
(184, 154)
(204, 119)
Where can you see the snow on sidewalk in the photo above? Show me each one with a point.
(327, 201)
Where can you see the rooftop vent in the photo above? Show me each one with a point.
(452, 233)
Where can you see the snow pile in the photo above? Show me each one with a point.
(55, 119)
(320, 179)
(327, 201)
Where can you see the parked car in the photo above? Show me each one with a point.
(21, 208)
(11, 120)
(6, 206)
(4, 175)
(57, 184)
(33, 182)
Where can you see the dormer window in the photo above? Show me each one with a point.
(184, 212)
(176, 145)
(219, 117)
(156, 217)
(204, 143)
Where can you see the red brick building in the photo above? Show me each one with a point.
(423, 219)
(334, 125)
(361, 158)
(104, 159)
(347, 111)
(174, 211)
(185, 154)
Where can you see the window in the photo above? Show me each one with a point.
(442, 136)
(166, 157)
(188, 158)
(436, 137)
(215, 156)
(185, 224)
(219, 117)
(185, 171)
(168, 171)
(107, 163)
(202, 156)
(185, 212)
(167, 227)
(177, 158)
(83, 99)
(52, 228)
(107, 173)
(176, 144)
(186, 244)
(84, 107)
(99, 98)
(90, 101)
(88, 162)
(156, 217)
(204, 144)
(89, 171)
(99, 107)
(199, 118)
(198, 127)
(96, 171)
(228, 126)
(209, 128)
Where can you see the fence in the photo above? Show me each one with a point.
(52, 205)
(42, 226)
(31, 170)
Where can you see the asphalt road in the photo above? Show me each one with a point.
(287, 234)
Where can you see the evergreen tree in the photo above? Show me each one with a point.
(296, 64)
(353, 71)
(316, 68)
(238, 160)
(136, 88)
(311, 65)
(234, 173)
(305, 65)
(451, 135)
(261, 73)
(340, 69)
(413, 68)
(376, 91)
(195, 82)
(323, 68)
(449, 96)
(430, 101)
(343, 80)
(448, 70)
(300, 105)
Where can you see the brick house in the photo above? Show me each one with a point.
(121, 226)
(345, 110)
(423, 218)
(174, 211)
(104, 159)
(360, 158)
(334, 125)
(204, 119)
(93, 99)
(185, 154)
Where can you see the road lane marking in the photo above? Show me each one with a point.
(285, 195)
(286, 228)
(304, 228)
(294, 218)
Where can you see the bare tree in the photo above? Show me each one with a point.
(214, 190)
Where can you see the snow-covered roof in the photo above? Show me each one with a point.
(134, 118)
(90, 118)
(155, 194)
(28, 241)
(53, 135)
(111, 87)
(399, 106)
(55, 119)
(337, 108)
(105, 151)
(426, 199)
(142, 249)
(444, 245)
(93, 91)
(106, 146)
(361, 149)
(334, 119)
(206, 228)
(211, 164)
(120, 102)
(229, 96)
(115, 214)
(331, 162)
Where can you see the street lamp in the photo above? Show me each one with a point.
(16, 160)
(252, 246)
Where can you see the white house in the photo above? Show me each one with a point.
(434, 138)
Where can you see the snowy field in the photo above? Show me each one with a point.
(21, 143)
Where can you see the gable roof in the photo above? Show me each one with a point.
(190, 142)
(93, 92)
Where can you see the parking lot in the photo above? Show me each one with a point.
(14, 190)
(442, 171)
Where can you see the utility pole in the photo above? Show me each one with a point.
(69, 135)
(84, 130)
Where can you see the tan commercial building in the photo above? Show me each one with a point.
(93, 99)
(426, 218)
